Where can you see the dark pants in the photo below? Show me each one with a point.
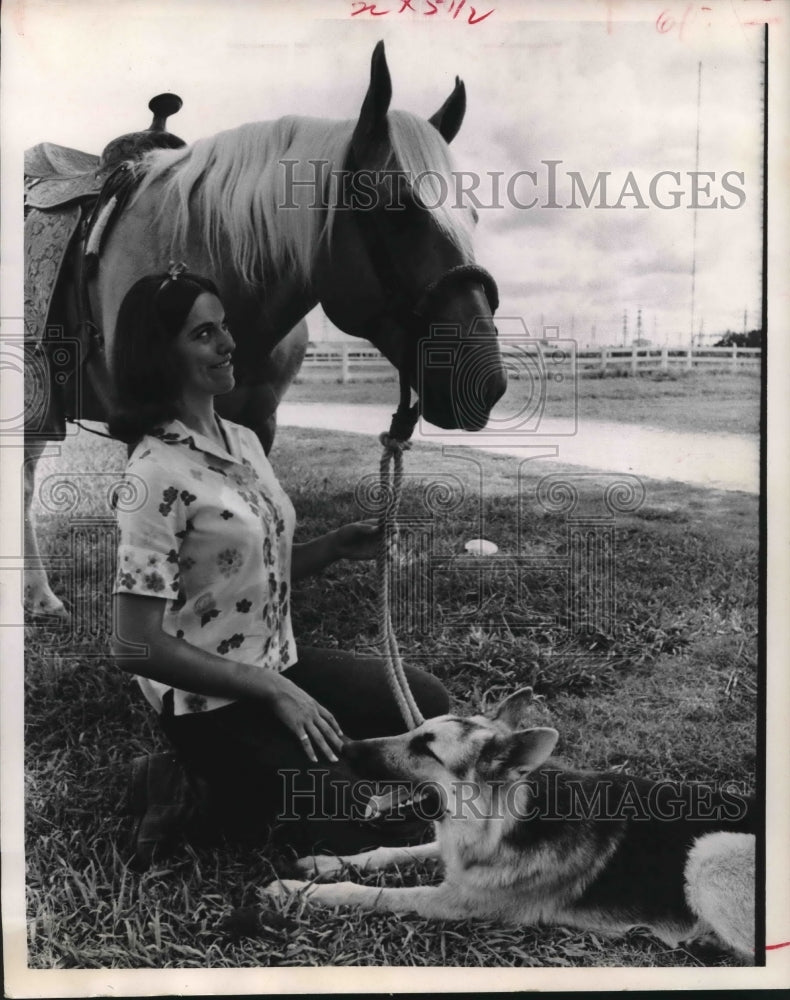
(258, 773)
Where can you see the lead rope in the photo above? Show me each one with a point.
(394, 443)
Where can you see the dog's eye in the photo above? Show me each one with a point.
(420, 746)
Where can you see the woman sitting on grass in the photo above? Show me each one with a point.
(205, 566)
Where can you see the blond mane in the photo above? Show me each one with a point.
(233, 183)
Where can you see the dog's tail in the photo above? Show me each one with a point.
(720, 887)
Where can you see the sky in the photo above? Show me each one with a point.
(604, 89)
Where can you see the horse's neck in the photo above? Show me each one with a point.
(282, 303)
(272, 308)
(139, 246)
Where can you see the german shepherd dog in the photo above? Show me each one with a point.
(526, 841)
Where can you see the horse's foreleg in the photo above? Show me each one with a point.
(38, 596)
(282, 368)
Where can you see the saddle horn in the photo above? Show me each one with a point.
(163, 106)
(133, 145)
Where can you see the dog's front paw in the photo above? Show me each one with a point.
(318, 864)
(284, 887)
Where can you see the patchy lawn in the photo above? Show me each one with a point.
(668, 690)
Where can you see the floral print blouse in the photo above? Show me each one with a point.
(211, 534)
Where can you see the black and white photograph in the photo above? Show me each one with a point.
(394, 496)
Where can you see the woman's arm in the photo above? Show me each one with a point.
(179, 664)
(359, 540)
(308, 558)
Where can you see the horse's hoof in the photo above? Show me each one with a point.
(48, 611)
(43, 610)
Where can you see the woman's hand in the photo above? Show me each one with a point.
(313, 725)
(178, 664)
(360, 540)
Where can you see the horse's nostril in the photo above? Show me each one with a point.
(495, 386)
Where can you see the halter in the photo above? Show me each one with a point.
(410, 309)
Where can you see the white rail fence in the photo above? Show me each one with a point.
(345, 361)
(645, 359)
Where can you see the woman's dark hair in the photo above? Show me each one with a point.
(143, 367)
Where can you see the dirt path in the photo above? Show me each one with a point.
(719, 461)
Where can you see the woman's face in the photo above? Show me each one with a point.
(203, 349)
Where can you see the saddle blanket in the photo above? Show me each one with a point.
(47, 239)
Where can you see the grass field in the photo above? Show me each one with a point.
(677, 401)
(668, 692)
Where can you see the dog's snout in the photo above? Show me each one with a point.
(370, 758)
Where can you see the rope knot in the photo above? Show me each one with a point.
(393, 444)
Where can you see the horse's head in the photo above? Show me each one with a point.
(397, 266)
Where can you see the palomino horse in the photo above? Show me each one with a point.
(359, 216)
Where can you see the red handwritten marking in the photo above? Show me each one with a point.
(773, 947)
(665, 22)
(686, 14)
(367, 8)
(427, 8)
(670, 20)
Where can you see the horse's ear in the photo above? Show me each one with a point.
(372, 125)
(447, 120)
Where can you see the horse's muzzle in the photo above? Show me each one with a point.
(463, 403)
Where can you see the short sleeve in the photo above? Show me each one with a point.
(252, 445)
(151, 529)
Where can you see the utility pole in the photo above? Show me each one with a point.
(625, 327)
(694, 236)
(639, 324)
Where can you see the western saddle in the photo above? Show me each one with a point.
(71, 201)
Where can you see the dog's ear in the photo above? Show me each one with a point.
(521, 752)
(515, 708)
